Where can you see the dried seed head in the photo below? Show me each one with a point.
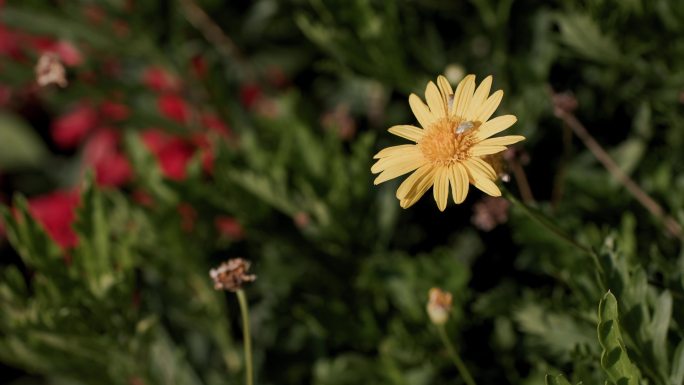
(489, 213)
(49, 70)
(231, 275)
(439, 306)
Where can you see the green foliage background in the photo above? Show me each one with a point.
(341, 299)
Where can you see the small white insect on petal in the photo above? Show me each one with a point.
(464, 126)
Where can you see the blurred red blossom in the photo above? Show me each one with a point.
(143, 198)
(67, 51)
(172, 152)
(70, 130)
(56, 212)
(160, 80)
(102, 152)
(173, 107)
(214, 124)
(188, 216)
(114, 111)
(250, 94)
(199, 66)
(229, 227)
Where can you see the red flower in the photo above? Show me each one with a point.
(69, 54)
(250, 94)
(173, 153)
(69, 130)
(160, 80)
(199, 66)
(114, 111)
(142, 198)
(114, 171)
(10, 43)
(229, 227)
(173, 107)
(56, 212)
(214, 124)
(188, 216)
(102, 153)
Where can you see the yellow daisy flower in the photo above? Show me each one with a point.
(451, 146)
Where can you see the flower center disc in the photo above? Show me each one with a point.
(443, 145)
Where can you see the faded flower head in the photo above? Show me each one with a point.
(231, 275)
(450, 150)
(49, 70)
(439, 306)
(489, 213)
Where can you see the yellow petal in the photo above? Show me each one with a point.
(481, 150)
(392, 167)
(393, 150)
(419, 187)
(501, 140)
(463, 94)
(483, 183)
(407, 132)
(441, 188)
(482, 166)
(418, 192)
(458, 178)
(409, 183)
(494, 126)
(406, 156)
(444, 88)
(478, 99)
(488, 107)
(435, 101)
(421, 111)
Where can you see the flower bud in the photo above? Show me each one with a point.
(439, 306)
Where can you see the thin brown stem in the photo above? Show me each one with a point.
(637, 192)
(559, 180)
(521, 181)
(214, 34)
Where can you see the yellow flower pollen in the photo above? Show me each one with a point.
(442, 145)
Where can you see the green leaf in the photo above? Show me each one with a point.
(20, 147)
(556, 380)
(614, 358)
(583, 34)
(677, 375)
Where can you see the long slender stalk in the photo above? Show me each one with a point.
(542, 220)
(462, 369)
(553, 228)
(671, 225)
(247, 338)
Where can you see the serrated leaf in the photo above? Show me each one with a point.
(614, 358)
(93, 254)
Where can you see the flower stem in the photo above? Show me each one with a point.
(462, 369)
(247, 338)
(542, 220)
(553, 228)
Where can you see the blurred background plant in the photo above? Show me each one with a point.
(186, 132)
